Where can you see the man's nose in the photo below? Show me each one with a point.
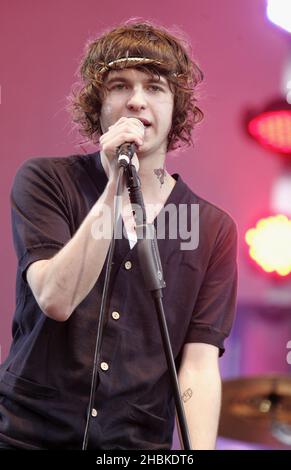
(137, 99)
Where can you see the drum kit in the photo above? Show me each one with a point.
(257, 410)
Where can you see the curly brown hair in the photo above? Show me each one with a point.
(170, 59)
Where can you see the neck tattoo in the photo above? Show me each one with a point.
(160, 174)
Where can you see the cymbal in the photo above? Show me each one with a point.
(257, 409)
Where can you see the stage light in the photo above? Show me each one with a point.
(280, 197)
(270, 244)
(273, 130)
(279, 13)
(271, 127)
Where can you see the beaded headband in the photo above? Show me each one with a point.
(126, 61)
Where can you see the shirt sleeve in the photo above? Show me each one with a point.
(214, 310)
(40, 222)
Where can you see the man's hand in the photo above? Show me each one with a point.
(124, 130)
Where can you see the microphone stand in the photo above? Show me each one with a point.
(149, 258)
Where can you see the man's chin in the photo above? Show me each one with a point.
(141, 150)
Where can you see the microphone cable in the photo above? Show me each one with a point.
(100, 327)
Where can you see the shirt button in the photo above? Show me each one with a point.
(115, 315)
(104, 366)
(127, 265)
(94, 412)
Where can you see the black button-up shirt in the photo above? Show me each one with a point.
(45, 380)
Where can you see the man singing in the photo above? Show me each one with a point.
(138, 85)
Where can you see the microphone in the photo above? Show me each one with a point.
(125, 152)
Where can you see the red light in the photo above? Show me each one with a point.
(270, 244)
(272, 129)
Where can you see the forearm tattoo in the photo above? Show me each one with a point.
(160, 174)
(187, 395)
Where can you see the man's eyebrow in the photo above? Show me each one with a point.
(160, 80)
(121, 79)
(115, 79)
